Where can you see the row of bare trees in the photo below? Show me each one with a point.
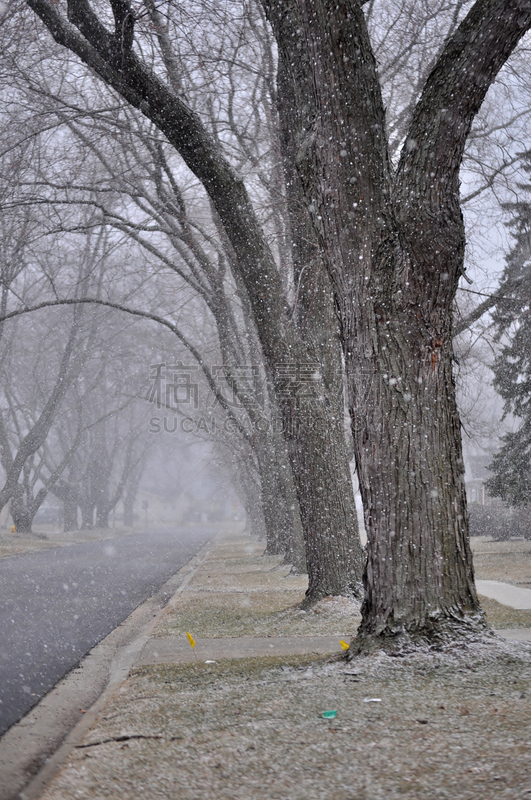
(301, 218)
(139, 192)
(69, 422)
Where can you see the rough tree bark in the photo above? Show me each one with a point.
(317, 323)
(393, 244)
(112, 57)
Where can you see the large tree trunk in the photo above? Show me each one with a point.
(105, 506)
(303, 359)
(102, 516)
(278, 502)
(317, 323)
(419, 578)
(277, 495)
(22, 516)
(250, 493)
(333, 555)
(395, 331)
(293, 545)
(393, 245)
(87, 507)
(67, 493)
(278, 518)
(22, 512)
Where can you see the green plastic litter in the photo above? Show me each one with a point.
(329, 714)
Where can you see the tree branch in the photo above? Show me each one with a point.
(428, 172)
(154, 318)
(477, 313)
(185, 131)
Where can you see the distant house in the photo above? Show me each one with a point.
(491, 516)
(476, 474)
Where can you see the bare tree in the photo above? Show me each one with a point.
(23, 433)
(315, 445)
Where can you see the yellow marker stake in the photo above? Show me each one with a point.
(344, 645)
(192, 643)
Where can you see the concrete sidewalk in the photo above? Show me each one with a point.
(237, 591)
(506, 593)
(240, 604)
(252, 645)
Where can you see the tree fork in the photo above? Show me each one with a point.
(393, 244)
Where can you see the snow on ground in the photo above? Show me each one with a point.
(447, 724)
(435, 725)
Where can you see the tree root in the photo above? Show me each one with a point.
(435, 633)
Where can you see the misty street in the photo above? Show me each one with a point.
(265, 272)
(57, 604)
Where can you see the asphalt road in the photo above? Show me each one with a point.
(57, 604)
